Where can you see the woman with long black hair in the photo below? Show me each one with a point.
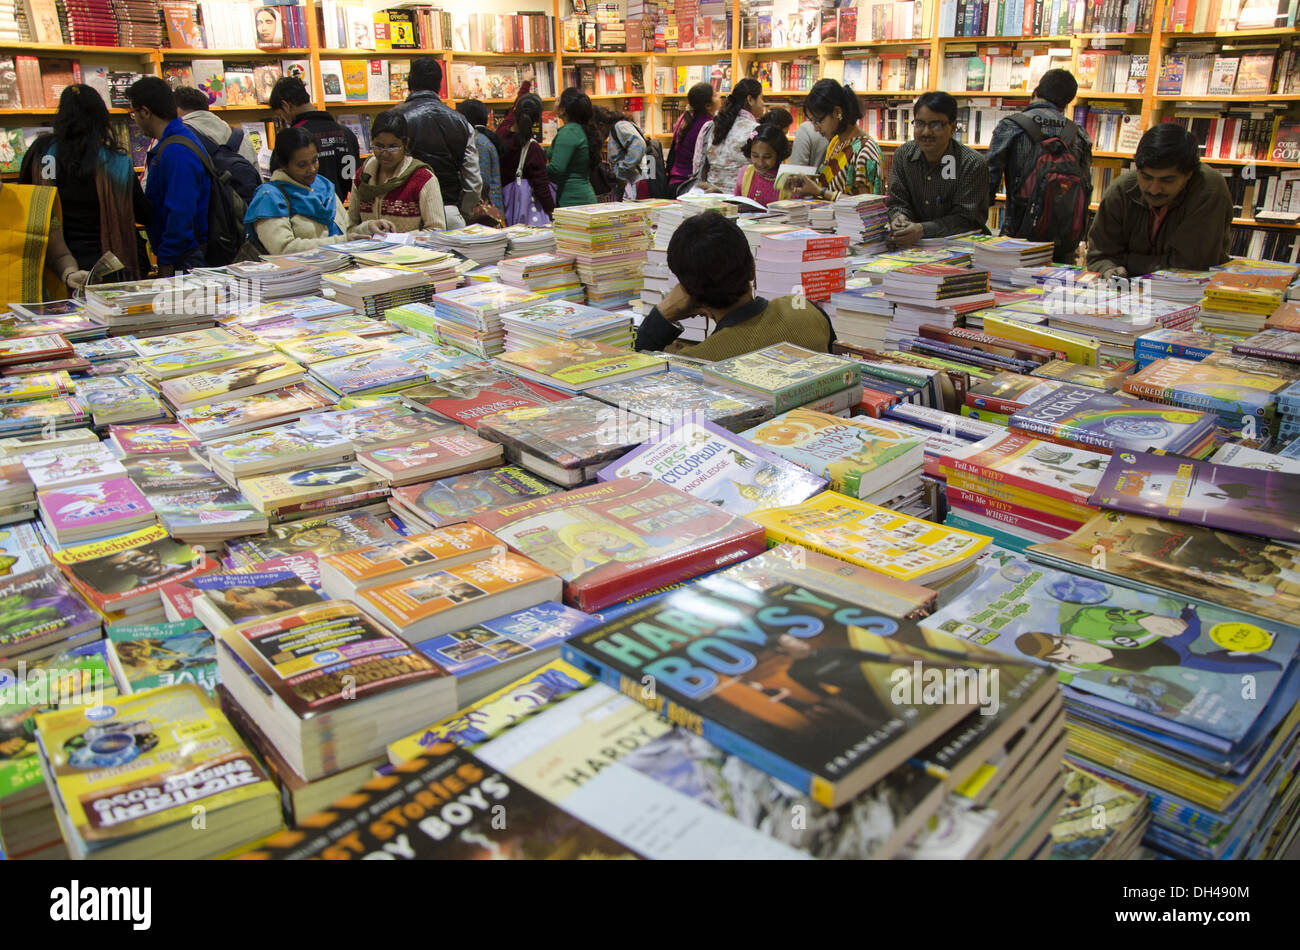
(575, 150)
(719, 150)
(521, 135)
(851, 164)
(98, 188)
(704, 101)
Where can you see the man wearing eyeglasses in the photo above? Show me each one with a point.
(937, 186)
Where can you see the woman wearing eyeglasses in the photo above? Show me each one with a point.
(298, 209)
(851, 165)
(394, 187)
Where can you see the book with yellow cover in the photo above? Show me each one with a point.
(461, 595)
(1077, 348)
(389, 561)
(130, 569)
(355, 86)
(878, 539)
(284, 491)
(318, 347)
(577, 365)
(202, 359)
(257, 375)
(128, 775)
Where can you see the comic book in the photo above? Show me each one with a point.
(614, 540)
(163, 654)
(1226, 497)
(711, 464)
(1152, 654)
(452, 500)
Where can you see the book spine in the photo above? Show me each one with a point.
(994, 404)
(674, 712)
(1034, 519)
(794, 396)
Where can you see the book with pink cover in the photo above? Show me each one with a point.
(95, 509)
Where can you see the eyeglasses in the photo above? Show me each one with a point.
(921, 125)
(387, 148)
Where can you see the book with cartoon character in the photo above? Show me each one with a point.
(78, 512)
(451, 500)
(860, 457)
(614, 540)
(1152, 654)
(1246, 500)
(711, 464)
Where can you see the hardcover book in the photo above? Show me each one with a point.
(575, 366)
(711, 464)
(785, 375)
(614, 540)
(1107, 422)
(818, 706)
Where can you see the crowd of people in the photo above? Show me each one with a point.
(434, 167)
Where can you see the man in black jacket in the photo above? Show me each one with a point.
(336, 146)
(443, 139)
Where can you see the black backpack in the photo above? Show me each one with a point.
(657, 169)
(226, 158)
(1057, 189)
(225, 208)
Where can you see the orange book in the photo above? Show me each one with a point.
(389, 561)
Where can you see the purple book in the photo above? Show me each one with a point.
(1227, 497)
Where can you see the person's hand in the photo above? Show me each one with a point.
(76, 280)
(1116, 272)
(166, 270)
(907, 235)
(805, 187)
(677, 305)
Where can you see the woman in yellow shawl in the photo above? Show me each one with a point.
(35, 263)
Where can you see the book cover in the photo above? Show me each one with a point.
(887, 542)
(376, 563)
(711, 464)
(574, 434)
(105, 761)
(1197, 562)
(858, 456)
(786, 374)
(314, 536)
(338, 656)
(293, 491)
(366, 372)
(1150, 653)
(536, 829)
(670, 398)
(164, 654)
(616, 539)
(493, 642)
(413, 600)
(572, 365)
(278, 447)
(1226, 497)
(1031, 465)
(260, 374)
(452, 500)
(133, 567)
(39, 606)
(477, 390)
(819, 705)
(21, 549)
(213, 420)
(96, 507)
(157, 439)
(402, 464)
(1108, 422)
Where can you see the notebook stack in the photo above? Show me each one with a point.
(609, 243)
(549, 275)
(542, 324)
(804, 262)
(470, 317)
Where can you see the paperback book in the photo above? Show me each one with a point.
(452, 500)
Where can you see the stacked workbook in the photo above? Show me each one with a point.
(803, 262)
(540, 324)
(546, 274)
(476, 242)
(470, 317)
(609, 243)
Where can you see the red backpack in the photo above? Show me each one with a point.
(1057, 190)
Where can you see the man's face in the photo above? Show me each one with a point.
(793, 646)
(933, 130)
(1160, 186)
(1072, 651)
(145, 563)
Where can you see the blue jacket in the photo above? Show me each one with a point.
(177, 187)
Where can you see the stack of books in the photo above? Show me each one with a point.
(437, 266)
(934, 294)
(474, 390)
(803, 261)
(609, 243)
(864, 220)
(670, 398)
(543, 324)
(378, 371)
(525, 241)
(431, 456)
(577, 365)
(1238, 303)
(1181, 286)
(477, 242)
(549, 275)
(470, 317)
(1288, 407)
(176, 303)
(1184, 344)
(1236, 395)
(786, 377)
(1271, 344)
(372, 290)
(448, 501)
(863, 316)
(1001, 255)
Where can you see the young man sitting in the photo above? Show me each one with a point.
(1169, 211)
(711, 260)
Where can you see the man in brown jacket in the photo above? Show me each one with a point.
(1170, 211)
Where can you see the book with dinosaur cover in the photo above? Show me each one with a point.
(1148, 655)
(886, 542)
(815, 708)
(164, 654)
(1107, 422)
(452, 500)
(434, 456)
(786, 376)
(424, 789)
(346, 572)
(860, 457)
(130, 570)
(1220, 568)
(476, 390)
(445, 599)
(1245, 500)
(709, 463)
(328, 686)
(127, 776)
(617, 539)
(566, 442)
